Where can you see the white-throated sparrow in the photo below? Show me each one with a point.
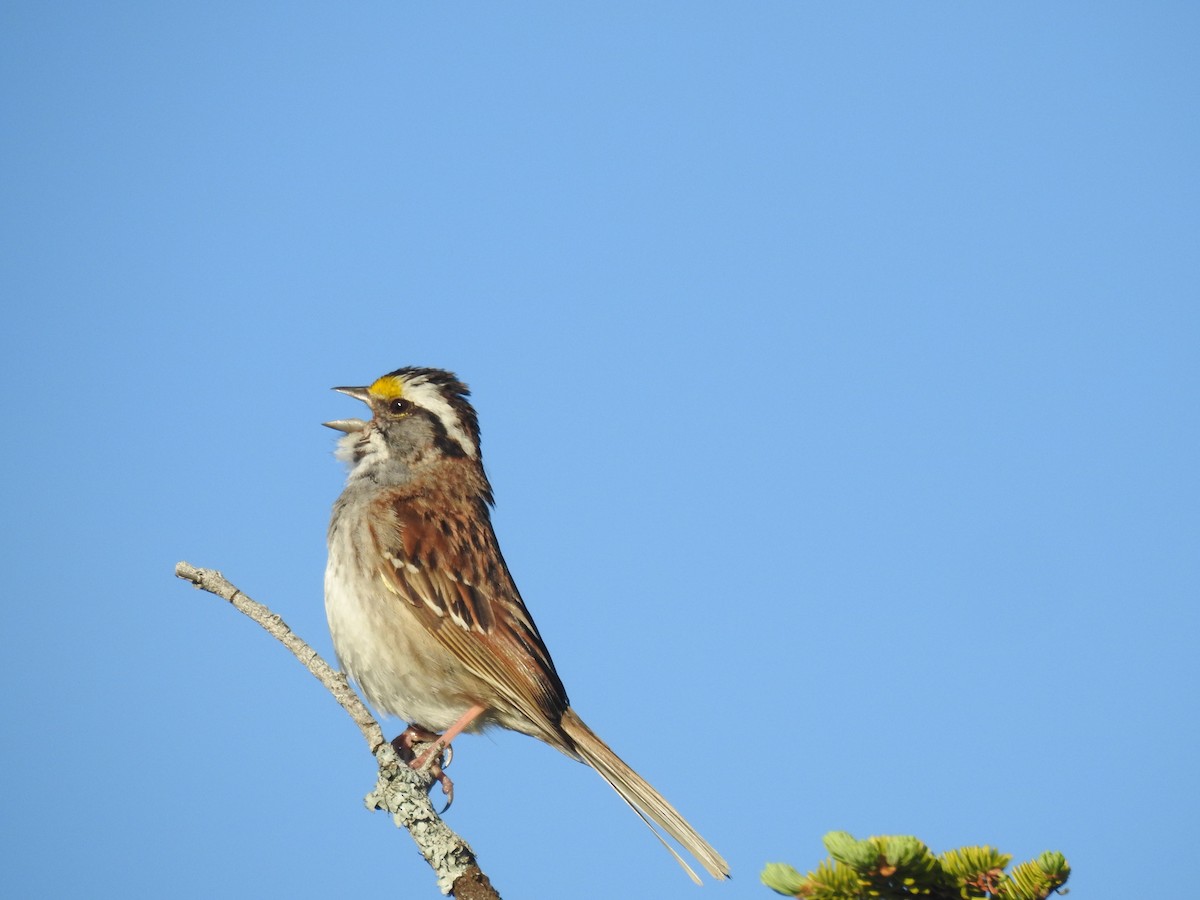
(424, 614)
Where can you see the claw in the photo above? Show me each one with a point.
(435, 759)
(439, 755)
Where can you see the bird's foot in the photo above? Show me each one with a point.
(434, 753)
(439, 753)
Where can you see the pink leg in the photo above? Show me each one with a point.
(443, 743)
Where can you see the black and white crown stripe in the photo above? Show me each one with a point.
(428, 389)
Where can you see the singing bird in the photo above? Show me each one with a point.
(424, 614)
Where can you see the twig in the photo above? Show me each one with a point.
(399, 790)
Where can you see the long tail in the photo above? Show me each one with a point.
(648, 803)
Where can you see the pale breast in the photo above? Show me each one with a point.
(382, 645)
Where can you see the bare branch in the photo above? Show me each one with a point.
(400, 790)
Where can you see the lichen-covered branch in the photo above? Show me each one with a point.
(400, 790)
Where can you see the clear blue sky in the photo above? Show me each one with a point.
(837, 366)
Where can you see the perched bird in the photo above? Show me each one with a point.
(424, 614)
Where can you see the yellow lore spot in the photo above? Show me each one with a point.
(389, 387)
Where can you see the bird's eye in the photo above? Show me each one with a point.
(399, 406)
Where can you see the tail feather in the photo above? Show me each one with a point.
(648, 803)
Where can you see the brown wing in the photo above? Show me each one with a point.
(445, 562)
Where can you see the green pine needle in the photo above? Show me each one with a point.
(893, 867)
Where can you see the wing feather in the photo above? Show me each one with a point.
(443, 559)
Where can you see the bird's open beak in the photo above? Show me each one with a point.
(358, 393)
(349, 426)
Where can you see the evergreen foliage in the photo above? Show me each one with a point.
(900, 866)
